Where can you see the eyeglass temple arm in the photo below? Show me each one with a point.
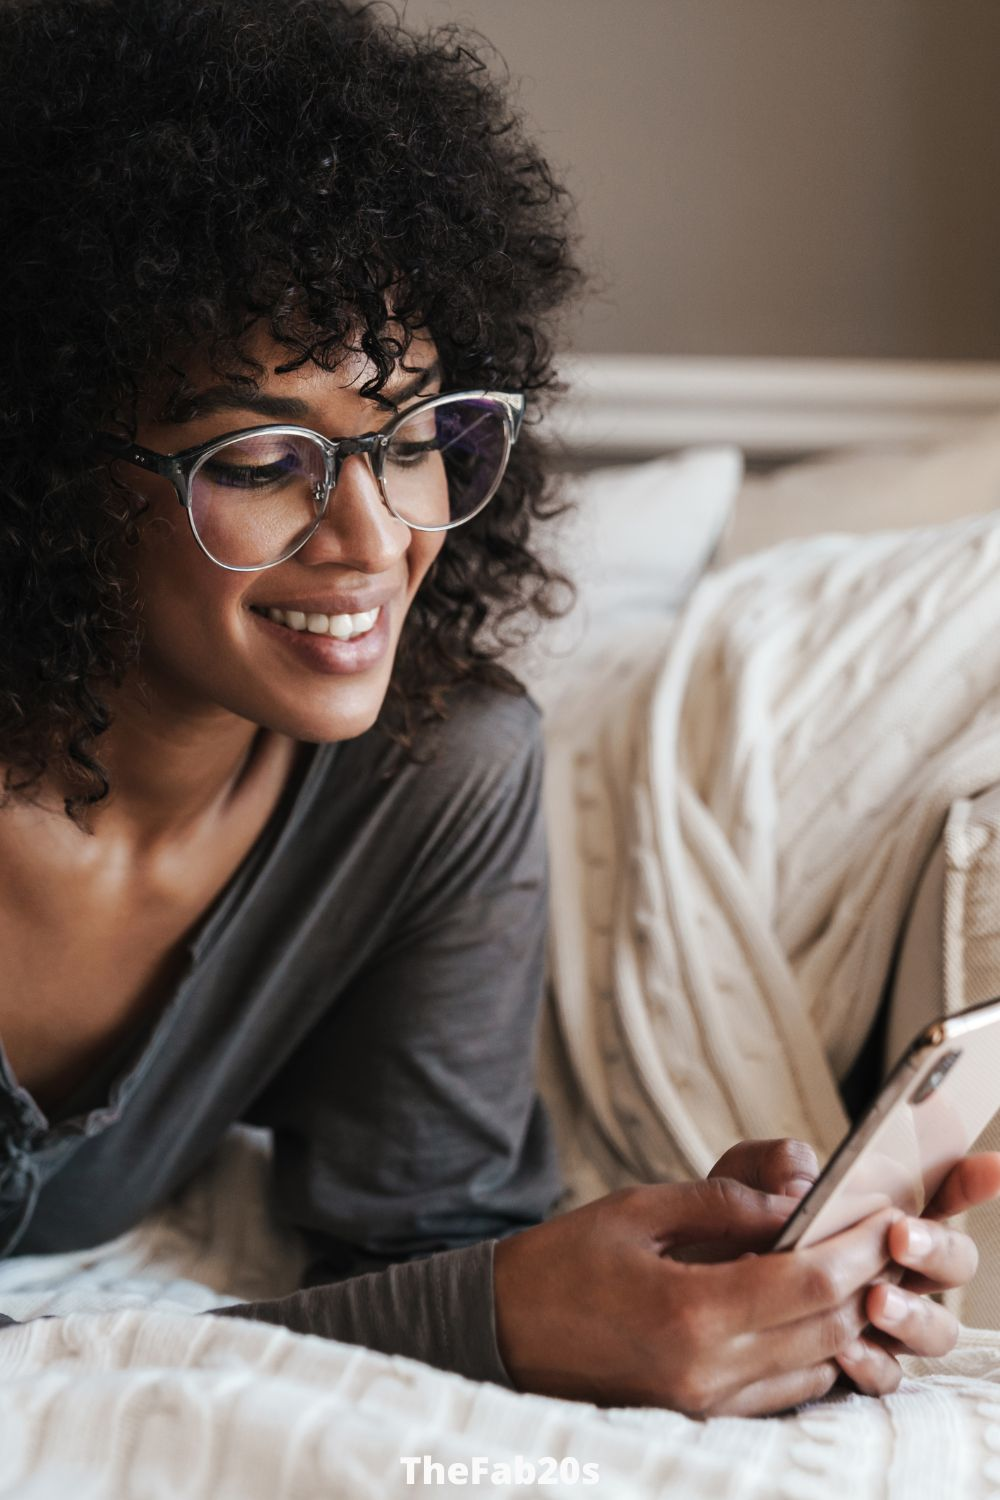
(131, 453)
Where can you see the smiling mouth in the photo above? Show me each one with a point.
(340, 627)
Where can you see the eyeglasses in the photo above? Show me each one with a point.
(254, 497)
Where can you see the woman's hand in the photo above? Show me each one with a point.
(596, 1305)
(933, 1256)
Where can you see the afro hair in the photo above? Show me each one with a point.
(175, 173)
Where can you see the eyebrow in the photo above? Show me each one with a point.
(219, 398)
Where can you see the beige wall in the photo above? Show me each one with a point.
(771, 177)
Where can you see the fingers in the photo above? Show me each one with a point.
(803, 1344)
(780, 1166)
(785, 1312)
(782, 1392)
(914, 1323)
(939, 1256)
(871, 1367)
(794, 1284)
(975, 1179)
(766, 1370)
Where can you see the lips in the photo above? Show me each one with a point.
(326, 653)
(326, 604)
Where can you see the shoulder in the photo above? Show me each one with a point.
(473, 797)
(486, 755)
(487, 737)
(496, 728)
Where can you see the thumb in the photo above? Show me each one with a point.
(719, 1209)
(775, 1166)
(973, 1180)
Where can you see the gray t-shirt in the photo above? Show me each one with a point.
(367, 986)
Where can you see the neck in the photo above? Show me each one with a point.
(173, 771)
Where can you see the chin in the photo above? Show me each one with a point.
(345, 722)
(344, 730)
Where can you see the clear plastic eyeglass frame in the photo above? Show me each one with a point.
(180, 468)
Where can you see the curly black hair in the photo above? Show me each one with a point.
(172, 173)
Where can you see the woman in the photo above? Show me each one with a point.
(280, 286)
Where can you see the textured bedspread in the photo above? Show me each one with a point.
(148, 1401)
(739, 813)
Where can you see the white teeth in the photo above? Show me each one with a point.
(341, 627)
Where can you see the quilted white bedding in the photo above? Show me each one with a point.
(131, 1396)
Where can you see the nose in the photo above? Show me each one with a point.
(358, 529)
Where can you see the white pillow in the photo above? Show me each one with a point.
(949, 958)
(636, 542)
(864, 491)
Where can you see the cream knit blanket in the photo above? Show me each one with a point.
(739, 810)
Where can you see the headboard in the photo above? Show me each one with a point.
(628, 407)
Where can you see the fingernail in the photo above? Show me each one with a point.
(854, 1353)
(894, 1308)
(797, 1187)
(918, 1239)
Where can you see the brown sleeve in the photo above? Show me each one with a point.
(438, 1309)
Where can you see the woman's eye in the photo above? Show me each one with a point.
(251, 476)
(409, 454)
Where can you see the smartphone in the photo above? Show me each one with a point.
(936, 1102)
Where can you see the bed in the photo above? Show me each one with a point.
(123, 1393)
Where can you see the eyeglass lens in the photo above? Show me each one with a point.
(253, 498)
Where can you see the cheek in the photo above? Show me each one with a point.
(423, 549)
(182, 593)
